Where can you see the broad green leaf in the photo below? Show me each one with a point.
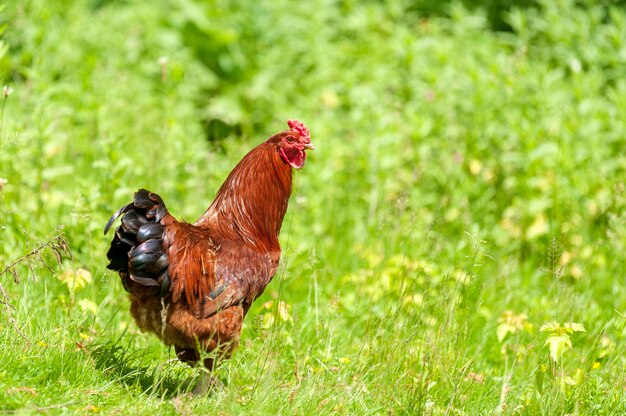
(567, 382)
(504, 329)
(75, 279)
(572, 327)
(558, 344)
(550, 326)
(539, 378)
(579, 376)
(88, 306)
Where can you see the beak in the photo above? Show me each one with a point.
(309, 146)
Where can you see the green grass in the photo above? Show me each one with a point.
(467, 188)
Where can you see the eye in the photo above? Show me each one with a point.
(290, 139)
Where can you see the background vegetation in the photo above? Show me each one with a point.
(455, 245)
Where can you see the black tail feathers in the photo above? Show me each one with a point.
(136, 250)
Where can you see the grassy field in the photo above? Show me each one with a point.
(456, 245)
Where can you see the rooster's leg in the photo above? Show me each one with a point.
(207, 382)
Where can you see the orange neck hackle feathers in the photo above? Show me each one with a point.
(252, 202)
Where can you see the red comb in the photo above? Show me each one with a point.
(300, 128)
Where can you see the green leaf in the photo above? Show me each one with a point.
(539, 378)
(558, 344)
(572, 327)
(75, 279)
(579, 376)
(550, 327)
(567, 380)
(504, 329)
(88, 306)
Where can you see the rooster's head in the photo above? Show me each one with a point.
(292, 143)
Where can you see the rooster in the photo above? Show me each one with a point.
(192, 284)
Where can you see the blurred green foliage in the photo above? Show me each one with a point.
(467, 187)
